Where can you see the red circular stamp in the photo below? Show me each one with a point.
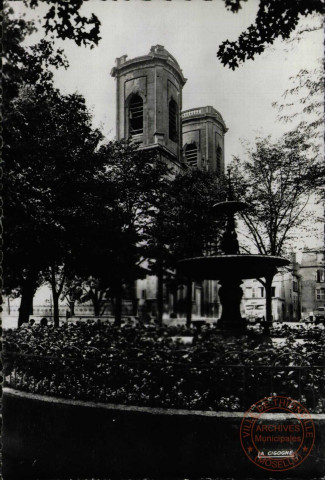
(277, 433)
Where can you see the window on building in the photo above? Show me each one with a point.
(136, 115)
(191, 154)
(273, 291)
(173, 120)
(320, 293)
(295, 286)
(219, 160)
(261, 292)
(320, 275)
(254, 292)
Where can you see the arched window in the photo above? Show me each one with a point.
(191, 154)
(219, 160)
(136, 115)
(173, 120)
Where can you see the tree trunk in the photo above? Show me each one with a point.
(175, 302)
(160, 297)
(96, 304)
(189, 303)
(71, 307)
(56, 316)
(118, 303)
(28, 291)
(203, 300)
(135, 300)
(55, 296)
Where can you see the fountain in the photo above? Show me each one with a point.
(230, 267)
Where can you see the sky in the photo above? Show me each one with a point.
(191, 31)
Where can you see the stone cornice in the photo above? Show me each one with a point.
(196, 114)
(156, 56)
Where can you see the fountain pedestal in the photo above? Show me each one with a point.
(230, 270)
(230, 294)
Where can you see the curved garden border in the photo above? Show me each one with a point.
(47, 437)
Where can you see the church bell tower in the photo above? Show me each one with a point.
(203, 139)
(149, 102)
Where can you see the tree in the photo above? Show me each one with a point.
(275, 18)
(72, 292)
(277, 181)
(95, 290)
(51, 166)
(65, 21)
(113, 249)
(55, 276)
(303, 105)
(185, 226)
(24, 65)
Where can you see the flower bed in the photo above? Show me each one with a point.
(151, 366)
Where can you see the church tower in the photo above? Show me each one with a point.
(149, 112)
(203, 139)
(149, 102)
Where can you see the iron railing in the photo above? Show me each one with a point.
(200, 386)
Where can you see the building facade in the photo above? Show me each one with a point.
(312, 281)
(286, 296)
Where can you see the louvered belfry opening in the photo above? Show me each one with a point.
(191, 154)
(173, 120)
(136, 115)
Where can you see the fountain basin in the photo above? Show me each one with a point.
(241, 266)
(229, 207)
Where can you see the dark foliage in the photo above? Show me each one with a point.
(26, 65)
(50, 166)
(275, 18)
(65, 21)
